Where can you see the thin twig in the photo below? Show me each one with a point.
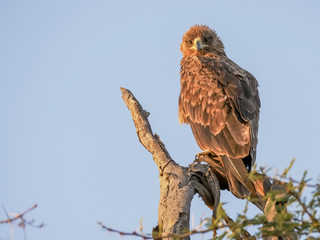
(149, 236)
(304, 207)
(19, 216)
(279, 178)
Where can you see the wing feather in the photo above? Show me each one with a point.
(239, 131)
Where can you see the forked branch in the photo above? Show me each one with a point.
(178, 184)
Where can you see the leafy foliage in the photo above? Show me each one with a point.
(297, 208)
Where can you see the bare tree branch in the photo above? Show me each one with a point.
(18, 216)
(149, 140)
(149, 236)
(178, 184)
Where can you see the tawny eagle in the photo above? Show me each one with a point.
(220, 101)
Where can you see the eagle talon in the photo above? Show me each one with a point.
(202, 155)
(198, 156)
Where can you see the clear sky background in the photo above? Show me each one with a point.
(67, 140)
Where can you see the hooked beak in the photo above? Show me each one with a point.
(197, 44)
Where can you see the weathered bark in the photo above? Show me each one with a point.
(178, 184)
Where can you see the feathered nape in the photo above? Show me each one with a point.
(197, 30)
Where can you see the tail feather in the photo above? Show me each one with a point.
(237, 168)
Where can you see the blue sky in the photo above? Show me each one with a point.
(67, 141)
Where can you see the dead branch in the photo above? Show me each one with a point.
(170, 236)
(178, 184)
(18, 216)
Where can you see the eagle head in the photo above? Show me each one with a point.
(199, 40)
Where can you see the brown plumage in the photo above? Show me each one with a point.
(220, 101)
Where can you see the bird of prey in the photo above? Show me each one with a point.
(220, 101)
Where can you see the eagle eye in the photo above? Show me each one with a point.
(208, 39)
(189, 42)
